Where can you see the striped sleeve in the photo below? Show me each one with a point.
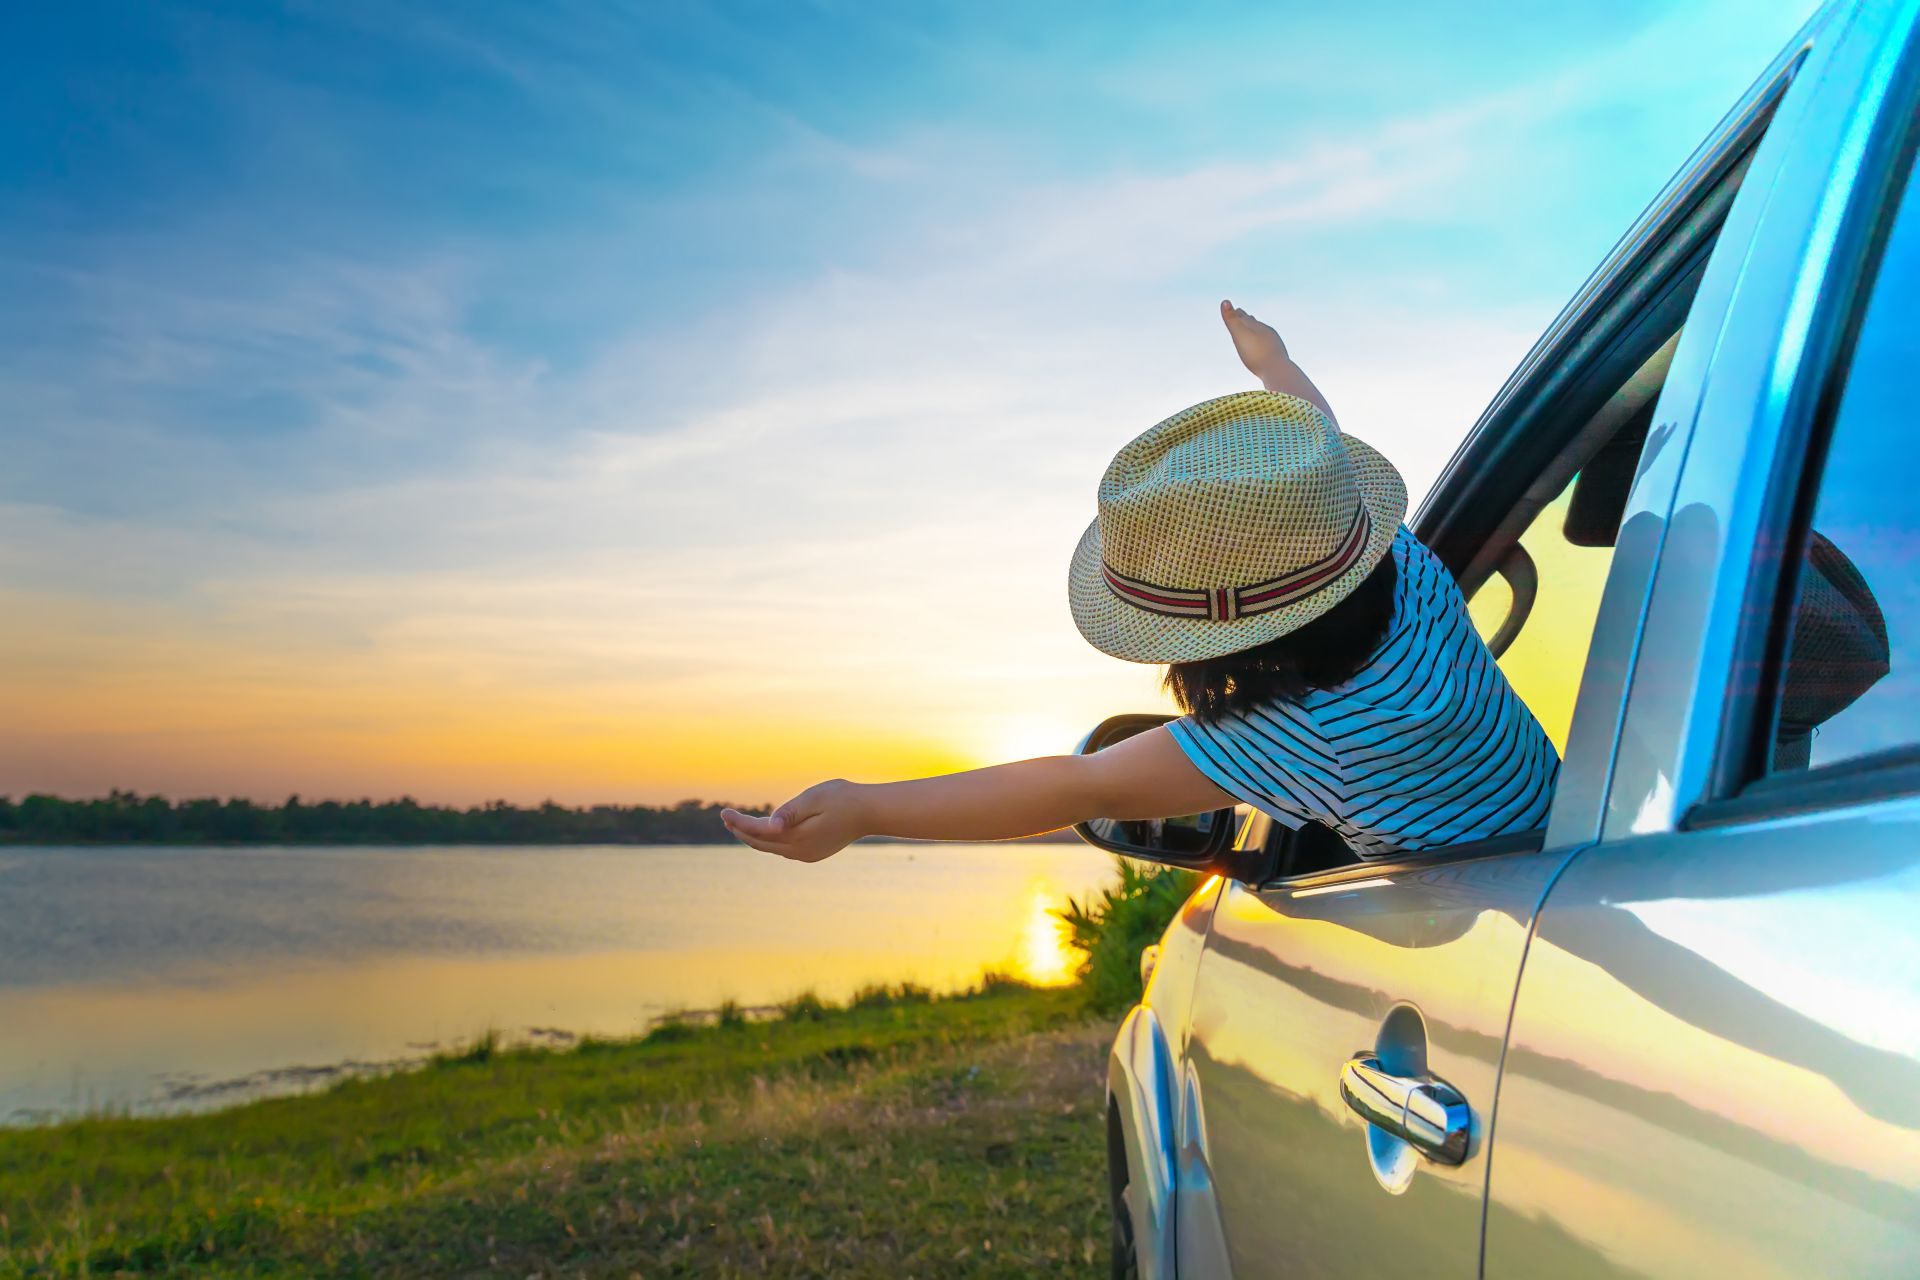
(1270, 770)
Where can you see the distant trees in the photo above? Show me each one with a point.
(124, 817)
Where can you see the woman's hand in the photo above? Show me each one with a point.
(814, 825)
(1257, 343)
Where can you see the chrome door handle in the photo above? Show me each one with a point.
(1430, 1115)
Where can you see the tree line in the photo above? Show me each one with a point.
(124, 817)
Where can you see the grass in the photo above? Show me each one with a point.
(901, 1134)
(954, 1137)
(481, 1049)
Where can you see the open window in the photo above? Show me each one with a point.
(1529, 511)
(1542, 573)
(1535, 576)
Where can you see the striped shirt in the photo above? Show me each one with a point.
(1428, 745)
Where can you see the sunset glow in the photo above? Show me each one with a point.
(628, 437)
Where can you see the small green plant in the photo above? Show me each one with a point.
(805, 1007)
(882, 996)
(730, 1014)
(480, 1049)
(1112, 929)
(670, 1029)
(996, 981)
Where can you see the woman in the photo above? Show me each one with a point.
(1323, 656)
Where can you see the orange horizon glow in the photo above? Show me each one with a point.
(98, 701)
(528, 698)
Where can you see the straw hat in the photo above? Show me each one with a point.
(1228, 525)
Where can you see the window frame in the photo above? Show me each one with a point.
(1329, 878)
(1743, 787)
(1587, 349)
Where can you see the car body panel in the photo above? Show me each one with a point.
(1144, 1088)
(1713, 1066)
(1294, 981)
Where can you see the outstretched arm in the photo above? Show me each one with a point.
(1265, 355)
(1145, 776)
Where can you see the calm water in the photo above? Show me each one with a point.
(165, 979)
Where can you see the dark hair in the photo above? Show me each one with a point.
(1324, 653)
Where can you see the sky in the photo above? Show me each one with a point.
(629, 403)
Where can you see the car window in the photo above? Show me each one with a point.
(1549, 561)
(1545, 657)
(1850, 682)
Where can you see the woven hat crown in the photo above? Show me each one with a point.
(1236, 490)
(1230, 524)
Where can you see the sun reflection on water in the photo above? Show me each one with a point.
(390, 951)
(1045, 958)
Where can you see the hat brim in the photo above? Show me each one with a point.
(1113, 626)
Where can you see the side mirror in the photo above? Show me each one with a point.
(1199, 842)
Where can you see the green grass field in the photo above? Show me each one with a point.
(906, 1136)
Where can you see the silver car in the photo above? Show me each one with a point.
(1677, 1032)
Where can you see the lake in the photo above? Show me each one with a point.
(166, 979)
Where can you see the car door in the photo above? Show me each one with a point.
(1337, 990)
(1714, 1061)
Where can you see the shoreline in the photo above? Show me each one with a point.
(177, 1096)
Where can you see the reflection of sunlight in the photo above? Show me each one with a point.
(1855, 982)
(1025, 736)
(1654, 806)
(1045, 957)
(1612, 1030)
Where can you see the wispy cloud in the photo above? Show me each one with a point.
(787, 455)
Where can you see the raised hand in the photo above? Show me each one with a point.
(1257, 343)
(1265, 355)
(811, 827)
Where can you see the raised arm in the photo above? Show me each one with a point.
(1145, 776)
(1265, 355)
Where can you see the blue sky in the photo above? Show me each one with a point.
(610, 377)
